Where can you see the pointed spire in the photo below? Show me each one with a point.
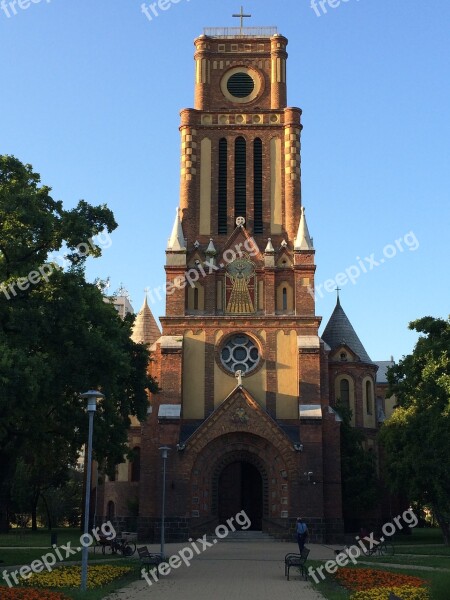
(269, 247)
(340, 331)
(303, 240)
(145, 328)
(176, 241)
(211, 248)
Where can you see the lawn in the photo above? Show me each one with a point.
(24, 556)
(421, 535)
(25, 538)
(423, 548)
(21, 547)
(408, 559)
(431, 550)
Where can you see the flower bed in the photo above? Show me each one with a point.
(30, 594)
(98, 575)
(405, 592)
(373, 584)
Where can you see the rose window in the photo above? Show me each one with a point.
(239, 354)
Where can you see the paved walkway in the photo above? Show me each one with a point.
(229, 570)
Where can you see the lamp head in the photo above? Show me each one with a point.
(164, 451)
(92, 396)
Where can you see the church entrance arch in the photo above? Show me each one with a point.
(240, 484)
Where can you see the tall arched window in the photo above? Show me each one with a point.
(136, 465)
(369, 402)
(344, 392)
(258, 185)
(240, 178)
(223, 190)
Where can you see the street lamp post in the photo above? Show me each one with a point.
(164, 455)
(91, 397)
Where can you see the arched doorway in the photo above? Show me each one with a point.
(240, 487)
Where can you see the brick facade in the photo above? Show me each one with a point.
(275, 427)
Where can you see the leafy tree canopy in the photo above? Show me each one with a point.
(58, 337)
(417, 436)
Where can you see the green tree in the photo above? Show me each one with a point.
(57, 335)
(61, 506)
(358, 469)
(417, 435)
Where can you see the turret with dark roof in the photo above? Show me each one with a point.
(340, 331)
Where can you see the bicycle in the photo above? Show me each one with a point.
(118, 546)
(383, 547)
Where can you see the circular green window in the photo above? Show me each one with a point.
(240, 85)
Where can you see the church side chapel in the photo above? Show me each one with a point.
(247, 385)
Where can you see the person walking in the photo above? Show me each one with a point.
(302, 533)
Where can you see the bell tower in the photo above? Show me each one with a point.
(241, 169)
(241, 144)
(241, 367)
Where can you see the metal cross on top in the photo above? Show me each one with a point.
(242, 16)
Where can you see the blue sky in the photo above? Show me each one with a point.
(91, 93)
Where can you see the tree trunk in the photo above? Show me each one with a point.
(34, 512)
(47, 510)
(5, 470)
(4, 520)
(444, 524)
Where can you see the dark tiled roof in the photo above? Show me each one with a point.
(383, 366)
(340, 331)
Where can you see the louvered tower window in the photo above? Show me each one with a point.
(240, 178)
(196, 298)
(258, 185)
(284, 299)
(222, 197)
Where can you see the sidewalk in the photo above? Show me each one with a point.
(231, 570)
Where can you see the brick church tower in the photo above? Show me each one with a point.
(244, 400)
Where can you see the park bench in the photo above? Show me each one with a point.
(148, 559)
(296, 560)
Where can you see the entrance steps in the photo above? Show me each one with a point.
(246, 536)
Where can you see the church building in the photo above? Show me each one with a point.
(247, 384)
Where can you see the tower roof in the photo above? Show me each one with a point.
(176, 240)
(145, 328)
(303, 240)
(340, 331)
